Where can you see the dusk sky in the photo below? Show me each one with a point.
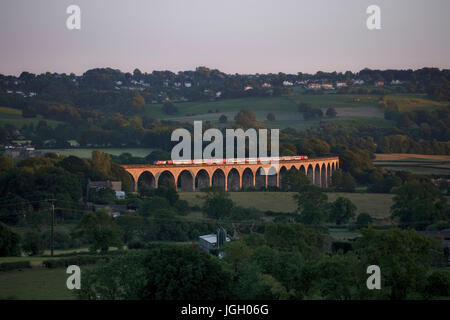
(234, 36)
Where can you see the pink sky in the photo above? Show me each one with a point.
(235, 36)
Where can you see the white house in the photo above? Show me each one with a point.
(314, 86)
(120, 195)
(327, 86)
(208, 242)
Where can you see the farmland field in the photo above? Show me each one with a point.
(377, 205)
(350, 107)
(415, 163)
(415, 102)
(14, 117)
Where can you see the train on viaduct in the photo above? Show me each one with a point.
(231, 176)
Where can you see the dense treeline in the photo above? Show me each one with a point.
(125, 92)
(102, 98)
(28, 186)
(286, 261)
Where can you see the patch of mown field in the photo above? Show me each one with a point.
(36, 284)
(87, 152)
(411, 157)
(377, 205)
(407, 103)
(14, 117)
(343, 234)
(415, 163)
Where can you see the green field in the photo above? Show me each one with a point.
(377, 205)
(36, 284)
(415, 102)
(362, 109)
(14, 117)
(87, 152)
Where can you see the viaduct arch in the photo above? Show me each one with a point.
(231, 177)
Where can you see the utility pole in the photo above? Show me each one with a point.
(52, 243)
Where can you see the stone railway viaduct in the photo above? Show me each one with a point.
(232, 176)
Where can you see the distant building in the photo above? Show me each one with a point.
(327, 86)
(210, 242)
(396, 82)
(21, 152)
(97, 185)
(358, 82)
(266, 85)
(248, 88)
(341, 84)
(115, 185)
(379, 83)
(120, 195)
(314, 86)
(287, 83)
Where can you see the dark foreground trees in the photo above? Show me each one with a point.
(167, 273)
(100, 229)
(286, 261)
(9, 242)
(419, 205)
(405, 259)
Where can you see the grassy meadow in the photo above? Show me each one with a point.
(362, 109)
(36, 284)
(14, 117)
(377, 205)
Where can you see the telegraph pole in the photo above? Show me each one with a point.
(52, 243)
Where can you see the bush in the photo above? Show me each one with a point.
(63, 240)
(270, 116)
(341, 245)
(439, 283)
(136, 244)
(9, 242)
(33, 244)
(7, 266)
(182, 207)
(169, 108)
(363, 220)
